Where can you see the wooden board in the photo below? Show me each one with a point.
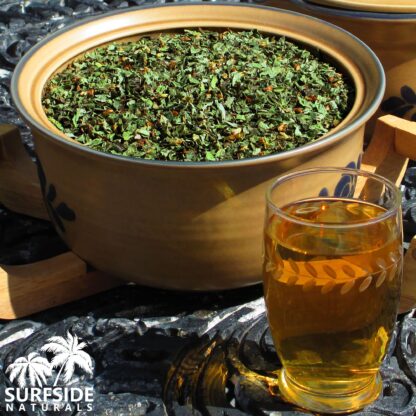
(382, 157)
(42, 285)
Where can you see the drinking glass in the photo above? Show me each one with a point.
(332, 276)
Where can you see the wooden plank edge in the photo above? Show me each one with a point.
(35, 287)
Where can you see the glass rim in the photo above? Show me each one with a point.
(357, 172)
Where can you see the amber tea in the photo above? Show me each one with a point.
(332, 294)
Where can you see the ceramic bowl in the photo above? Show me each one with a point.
(390, 34)
(179, 225)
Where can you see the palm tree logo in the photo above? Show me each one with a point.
(68, 354)
(37, 368)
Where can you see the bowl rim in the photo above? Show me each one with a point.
(354, 13)
(315, 146)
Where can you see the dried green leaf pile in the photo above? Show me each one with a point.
(197, 96)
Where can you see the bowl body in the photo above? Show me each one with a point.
(391, 35)
(179, 225)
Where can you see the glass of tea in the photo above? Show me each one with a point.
(332, 276)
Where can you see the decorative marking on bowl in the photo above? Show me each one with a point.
(345, 186)
(402, 105)
(61, 211)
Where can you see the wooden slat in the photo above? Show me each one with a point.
(405, 138)
(42, 285)
(381, 157)
(392, 144)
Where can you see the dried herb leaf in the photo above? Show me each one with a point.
(197, 96)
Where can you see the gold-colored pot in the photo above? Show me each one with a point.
(179, 225)
(386, 26)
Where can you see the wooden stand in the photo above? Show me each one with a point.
(392, 145)
(38, 286)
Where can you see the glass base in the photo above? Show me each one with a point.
(329, 403)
